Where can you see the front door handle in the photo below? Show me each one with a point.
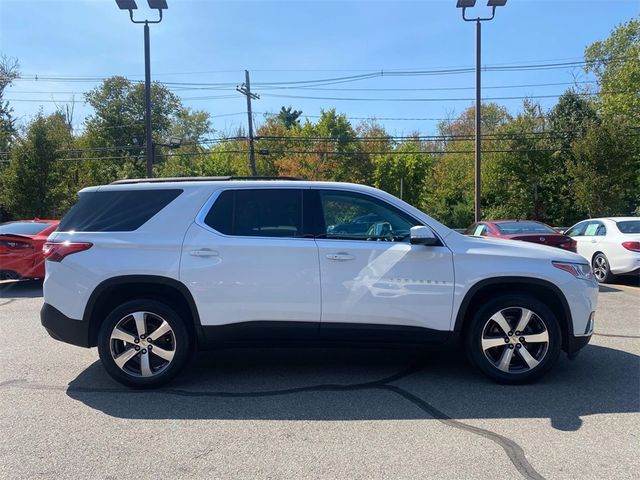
(205, 252)
(341, 256)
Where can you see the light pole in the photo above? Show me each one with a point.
(464, 4)
(131, 6)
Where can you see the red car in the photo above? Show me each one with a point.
(21, 248)
(525, 230)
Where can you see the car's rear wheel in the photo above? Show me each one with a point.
(601, 269)
(514, 339)
(143, 343)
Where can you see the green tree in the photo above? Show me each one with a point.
(406, 168)
(288, 117)
(116, 128)
(35, 183)
(8, 73)
(606, 172)
(567, 122)
(448, 193)
(520, 181)
(616, 64)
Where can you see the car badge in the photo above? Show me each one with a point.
(542, 239)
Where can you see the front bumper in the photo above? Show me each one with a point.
(575, 344)
(63, 328)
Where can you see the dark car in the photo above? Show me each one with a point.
(525, 230)
(21, 245)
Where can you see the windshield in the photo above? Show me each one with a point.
(629, 226)
(23, 228)
(513, 228)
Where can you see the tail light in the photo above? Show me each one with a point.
(15, 245)
(55, 252)
(571, 245)
(633, 246)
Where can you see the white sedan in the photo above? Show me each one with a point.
(612, 245)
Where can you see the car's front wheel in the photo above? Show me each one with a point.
(513, 339)
(143, 343)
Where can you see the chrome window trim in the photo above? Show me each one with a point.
(204, 210)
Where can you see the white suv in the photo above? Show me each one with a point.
(150, 270)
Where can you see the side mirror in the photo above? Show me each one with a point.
(421, 235)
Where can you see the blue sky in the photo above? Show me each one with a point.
(285, 41)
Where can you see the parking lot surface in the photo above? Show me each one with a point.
(318, 413)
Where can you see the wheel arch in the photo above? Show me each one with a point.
(546, 291)
(117, 290)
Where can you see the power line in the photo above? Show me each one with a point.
(350, 78)
(359, 99)
(381, 89)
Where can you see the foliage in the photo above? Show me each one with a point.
(404, 166)
(33, 185)
(8, 73)
(288, 117)
(605, 175)
(616, 64)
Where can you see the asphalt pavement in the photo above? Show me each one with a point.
(318, 413)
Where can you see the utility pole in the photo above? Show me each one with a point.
(245, 89)
(478, 208)
(147, 102)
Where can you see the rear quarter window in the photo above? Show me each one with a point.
(116, 210)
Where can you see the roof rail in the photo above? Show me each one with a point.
(196, 179)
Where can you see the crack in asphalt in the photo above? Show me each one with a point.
(615, 336)
(514, 452)
(8, 302)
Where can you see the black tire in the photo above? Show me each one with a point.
(176, 342)
(482, 325)
(601, 269)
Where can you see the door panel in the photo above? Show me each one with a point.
(386, 283)
(251, 279)
(371, 274)
(246, 260)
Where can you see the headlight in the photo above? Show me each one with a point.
(578, 270)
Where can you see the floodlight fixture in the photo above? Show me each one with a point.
(158, 4)
(127, 4)
(496, 3)
(465, 3)
(175, 142)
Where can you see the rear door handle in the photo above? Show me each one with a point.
(205, 252)
(340, 256)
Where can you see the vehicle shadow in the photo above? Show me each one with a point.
(339, 384)
(21, 289)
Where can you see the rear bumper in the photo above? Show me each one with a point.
(63, 328)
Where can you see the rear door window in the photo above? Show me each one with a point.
(116, 210)
(258, 213)
(595, 229)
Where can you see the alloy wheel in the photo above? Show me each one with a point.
(515, 340)
(142, 344)
(600, 268)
